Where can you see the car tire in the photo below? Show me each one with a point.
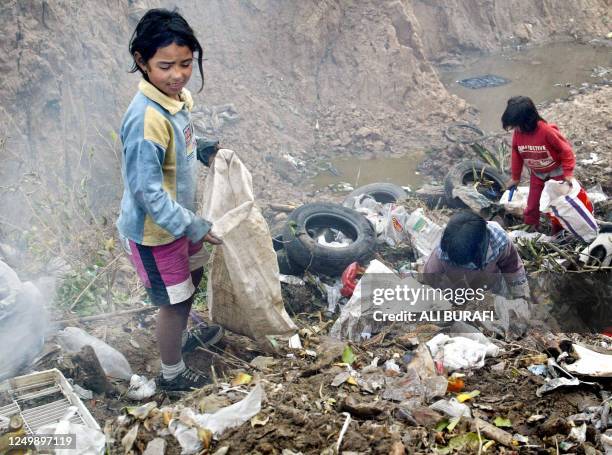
(382, 192)
(304, 251)
(463, 173)
(285, 266)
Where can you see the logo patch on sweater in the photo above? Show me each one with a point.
(189, 140)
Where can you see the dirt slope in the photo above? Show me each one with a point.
(456, 26)
(309, 78)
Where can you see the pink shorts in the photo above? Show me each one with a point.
(165, 270)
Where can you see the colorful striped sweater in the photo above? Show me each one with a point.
(159, 170)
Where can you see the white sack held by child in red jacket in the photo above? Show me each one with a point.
(562, 202)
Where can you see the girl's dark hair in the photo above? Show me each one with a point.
(159, 28)
(465, 238)
(521, 112)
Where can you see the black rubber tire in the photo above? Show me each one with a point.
(304, 251)
(449, 133)
(277, 242)
(382, 192)
(463, 173)
(285, 266)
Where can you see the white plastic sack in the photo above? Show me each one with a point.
(244, 293)
(114, 364)
(562, 201)
(518, 203)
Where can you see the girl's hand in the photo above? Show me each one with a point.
(213, 239)
(568, 180)
(510, 183)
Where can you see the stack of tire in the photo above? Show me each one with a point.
(298, 250)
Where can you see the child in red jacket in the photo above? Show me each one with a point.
(543, 149)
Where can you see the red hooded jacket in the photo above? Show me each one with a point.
(542, 151)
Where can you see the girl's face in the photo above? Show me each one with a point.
(169, 69)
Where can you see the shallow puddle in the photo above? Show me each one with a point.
(542, 73)
(359, 172)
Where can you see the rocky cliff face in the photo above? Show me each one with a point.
(64, 86)
(312, 78)
(453, 27)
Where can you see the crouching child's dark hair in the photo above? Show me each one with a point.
(521, 112)
(465, 239)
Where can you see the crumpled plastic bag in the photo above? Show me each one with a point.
(452, 408)
(370, 208)
(89, 441)
(472, 198)
(461, 353)
(140, 388)
(356, 321)
(228, 417)
(395, 218)
(518, 203)
(424, 232)
(23, 322)
(346, 326)
(114, 364)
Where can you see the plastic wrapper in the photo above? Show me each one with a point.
(114, 364)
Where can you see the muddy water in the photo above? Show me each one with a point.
(358, 172)
(542, 73)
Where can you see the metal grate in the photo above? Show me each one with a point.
(41, 399)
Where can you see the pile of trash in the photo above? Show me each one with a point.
(324, 375)
(407, 391)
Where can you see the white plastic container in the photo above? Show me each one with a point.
(425, 233)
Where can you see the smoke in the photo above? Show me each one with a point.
(23, 322)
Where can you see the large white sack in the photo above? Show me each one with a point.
(244, 293)
(562, 202)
